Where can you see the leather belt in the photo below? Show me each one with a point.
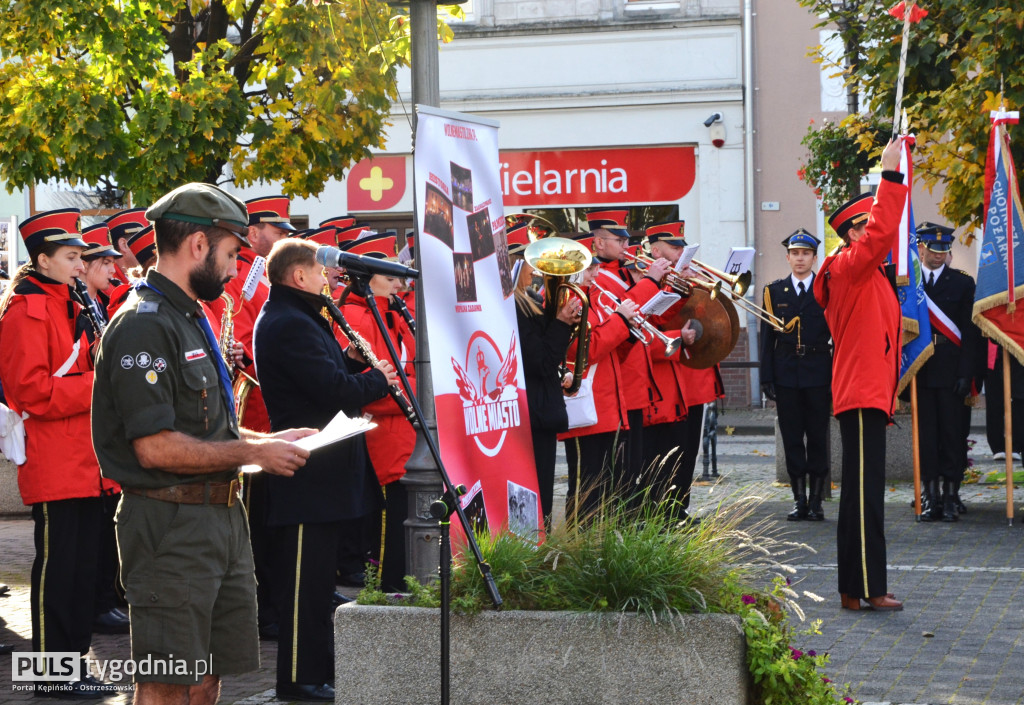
(194, 493)
(940, 339)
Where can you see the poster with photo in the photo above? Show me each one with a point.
(437, 215)
(483, 425)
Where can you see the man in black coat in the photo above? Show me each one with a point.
(944, 381)
(305, 374)
(796, 373)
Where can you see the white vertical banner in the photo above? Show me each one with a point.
(483, 425)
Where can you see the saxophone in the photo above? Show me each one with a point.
(243, 383)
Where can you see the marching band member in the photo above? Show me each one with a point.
(47, 373)
(100, 260)
(610, 239)
(390, 444)
(665, 420)
(796, 373)
(543, 342)
(142, 245)
(864, 316)
(595, 454)
(123, 225)
(307, 379)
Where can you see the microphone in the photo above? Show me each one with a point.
(359, 264)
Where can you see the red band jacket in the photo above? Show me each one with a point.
(392, 442)
(42, 377)
(862, 310)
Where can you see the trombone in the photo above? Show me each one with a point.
(641, 328)
(711, 280)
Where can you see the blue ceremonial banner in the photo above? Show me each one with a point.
(917, 327)
(1001, 260)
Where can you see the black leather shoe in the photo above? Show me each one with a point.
(352, 579)
(305, 693)
(4, 589)
(816, 493)
(112, 622)
(799, 512)
(6, 649)
(338, 600)
(269, 632)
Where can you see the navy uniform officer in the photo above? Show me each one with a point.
(163, 426)
(944, 381)
(796, 372)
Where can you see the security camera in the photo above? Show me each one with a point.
(715, 117)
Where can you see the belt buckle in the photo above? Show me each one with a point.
(801, 350)
(232, 492)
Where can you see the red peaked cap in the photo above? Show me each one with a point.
(341, 222)
(323, 236)
(379, 246)
(143, 244)
(853, 212)
(126, 223)
(671, 233)
(269, 209)
(97, 236)
(613, 220)
(63, 227)
(351, 234)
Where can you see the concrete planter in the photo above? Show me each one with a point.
(391, 655)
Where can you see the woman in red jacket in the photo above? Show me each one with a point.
(46, 371)
(864, 316)
(595, 453)
(392, 442)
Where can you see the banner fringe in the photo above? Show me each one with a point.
(915, 366)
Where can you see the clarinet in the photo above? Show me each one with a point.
(360, 344)
(399, 305)
(90, 307)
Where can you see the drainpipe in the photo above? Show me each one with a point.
(748, 147)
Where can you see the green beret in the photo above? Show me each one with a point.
(203, 204)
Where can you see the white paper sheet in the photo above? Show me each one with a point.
(339, 428)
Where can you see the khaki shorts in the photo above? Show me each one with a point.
(187, 572)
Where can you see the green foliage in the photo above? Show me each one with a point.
(416, 594)
(963, 60)
(151, 94)
(838, 156)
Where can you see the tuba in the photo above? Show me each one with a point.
(557, 259)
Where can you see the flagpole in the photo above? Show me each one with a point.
(1008, 434)
(916, 436)
(908, 9)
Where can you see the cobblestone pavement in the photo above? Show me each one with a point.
(960, 639)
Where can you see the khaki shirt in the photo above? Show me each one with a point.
(155, 372)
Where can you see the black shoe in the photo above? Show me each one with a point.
(79, 690)
(799, 512)
(931, 505)
(817, 491)
(269, 632)
(4, 589)
(112, 622)
(948, 502)
(961, 508)
(352, 579)
(338, 600)
(305, 693)
(6, 649)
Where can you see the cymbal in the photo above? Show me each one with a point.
(717, 327)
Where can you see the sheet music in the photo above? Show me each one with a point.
(252, 280)
(339, 428)
(659, 303)
(740, 259)
(689, 252)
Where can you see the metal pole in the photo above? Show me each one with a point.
(423, 478)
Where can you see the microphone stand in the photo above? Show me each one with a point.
(443, 507)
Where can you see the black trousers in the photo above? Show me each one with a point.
(63, 596)
(304, 587)
(545, 447)
(592, 461)
(694, 426)
(108, 595)
(629, 479)
(390, 539)
(255, 499)
(860, 527)
(803, 423)
(664, 446)
(994, 418)
(941, 422)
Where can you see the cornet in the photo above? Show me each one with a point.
(641, 328)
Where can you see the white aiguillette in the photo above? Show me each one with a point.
(340, 428)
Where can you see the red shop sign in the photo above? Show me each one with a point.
(376, 184)
(592, 176)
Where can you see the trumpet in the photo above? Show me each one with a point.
(641, 327)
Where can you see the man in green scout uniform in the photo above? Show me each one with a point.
(164, 427)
